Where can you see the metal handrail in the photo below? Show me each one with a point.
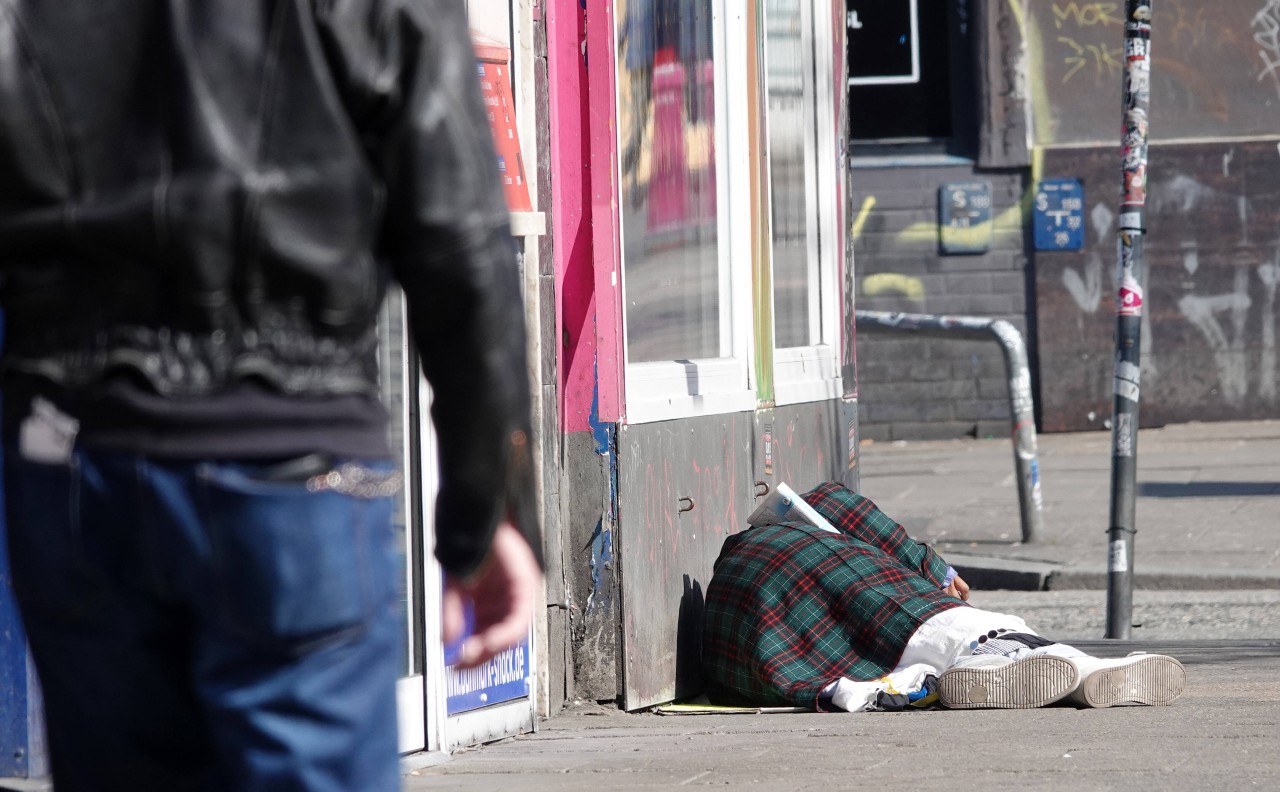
(1021, 402)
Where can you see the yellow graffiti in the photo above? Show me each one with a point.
(1007, 222)
(1104, 59)
(1189, 28)
(1038, 95)
(1076, 62)
(967, 237)
(1037, 172)
(1016, 7)
(1087, 14)
(893, 283)
(861, 220)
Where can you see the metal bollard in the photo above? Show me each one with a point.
(1021, 403)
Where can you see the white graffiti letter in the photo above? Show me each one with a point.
(1087, 292)
(1270, 276)
(1266, 31)
(1228, 354)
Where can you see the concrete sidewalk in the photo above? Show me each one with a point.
(1220, 735)
(1208, 518)
(1208, 513)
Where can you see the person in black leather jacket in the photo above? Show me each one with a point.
(202, 206)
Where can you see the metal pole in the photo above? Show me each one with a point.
(1023, 413)
(1131, 277)
(1021, 404)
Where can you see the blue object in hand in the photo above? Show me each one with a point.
(453, 648)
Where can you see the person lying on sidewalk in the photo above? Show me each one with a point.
(801, 615)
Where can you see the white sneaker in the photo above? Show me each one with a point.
(1137, 679)
(1012, 684)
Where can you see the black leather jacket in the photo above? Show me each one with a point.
(206, 190)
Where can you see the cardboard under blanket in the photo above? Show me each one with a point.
(700, 706)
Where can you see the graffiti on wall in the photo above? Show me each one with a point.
(1231, 354)
(1087, 290)
(1077, 59)
(1214, 292)
(1266, 32)
(1104, 60)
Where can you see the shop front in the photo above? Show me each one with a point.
(707, 352)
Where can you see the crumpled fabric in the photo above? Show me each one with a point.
(912, 687)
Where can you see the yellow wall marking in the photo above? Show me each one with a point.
(880, 283)
(863, 214)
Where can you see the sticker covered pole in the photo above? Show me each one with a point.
(1129, 298)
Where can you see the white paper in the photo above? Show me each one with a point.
(784, 505)
(47, 435)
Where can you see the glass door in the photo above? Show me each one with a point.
(398, 375)
(802, 204)
(438, 708)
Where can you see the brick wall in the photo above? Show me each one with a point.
(924, 388)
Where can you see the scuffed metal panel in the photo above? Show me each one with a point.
(801, 445)
(683, 486)
(592, 583)
(853, 444)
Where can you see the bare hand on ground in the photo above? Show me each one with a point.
(502, 592)
(958, 589)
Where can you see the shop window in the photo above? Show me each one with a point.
(686, 275)
(801, 197)
(687, 228)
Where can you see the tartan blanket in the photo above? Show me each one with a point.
(792, 608)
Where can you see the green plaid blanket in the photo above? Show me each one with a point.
(791, 608)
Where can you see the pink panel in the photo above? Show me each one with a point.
(604, 208)
(582, 151)
(571, 213)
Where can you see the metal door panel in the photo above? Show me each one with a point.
(683, 486)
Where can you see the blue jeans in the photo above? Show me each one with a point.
(196, 627)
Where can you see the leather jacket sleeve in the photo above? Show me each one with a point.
(407, 74)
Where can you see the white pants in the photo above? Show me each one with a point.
(943, 641)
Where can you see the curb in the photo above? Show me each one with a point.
(1166, 580)
(991, 574)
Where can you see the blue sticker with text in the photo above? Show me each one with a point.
(1059, 215)
(504, 678)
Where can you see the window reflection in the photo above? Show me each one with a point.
(788, 75)
(666, 124)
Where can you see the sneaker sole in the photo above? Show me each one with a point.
(1023, 684)
(1154, 681)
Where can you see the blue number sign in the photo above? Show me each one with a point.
(1059, 215)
